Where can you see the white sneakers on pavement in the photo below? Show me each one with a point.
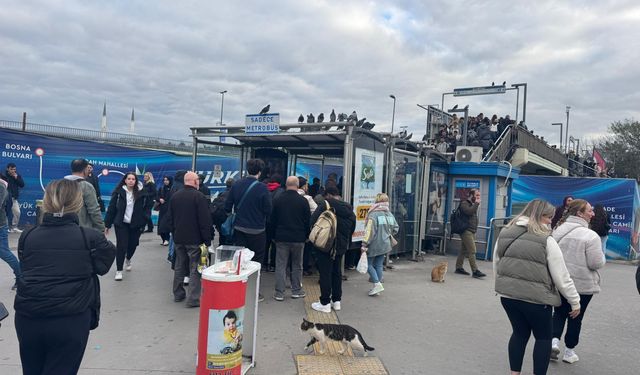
(127, 264)
(336, 305)
(377, 288)
(320, 307)
(570, 356)
(118, 276)
(555, 349)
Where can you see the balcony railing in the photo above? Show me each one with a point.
(517, 135)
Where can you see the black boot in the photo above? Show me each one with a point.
(462, 271)
(478, 274)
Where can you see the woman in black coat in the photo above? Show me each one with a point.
(150, 190)
(127, 212)
(58, 298)
(164, 194)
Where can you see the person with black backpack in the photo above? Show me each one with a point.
(469, 209)
(329, 260)
(218, 214)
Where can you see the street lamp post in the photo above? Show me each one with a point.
(561, 125)
(222, 139)
(393, 115)
(566, 148)
(524, 101)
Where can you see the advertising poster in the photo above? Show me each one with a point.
(437, 202)
(224, 340)
(618, 196)
(41, 159)
(368, 183)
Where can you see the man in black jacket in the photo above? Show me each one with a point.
(16, 183)
(330, 268)
(190, 223)
(290, 218)
(251, 216)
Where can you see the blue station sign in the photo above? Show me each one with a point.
(268, 123)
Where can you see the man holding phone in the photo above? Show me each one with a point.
(15, 184)
(469, 208)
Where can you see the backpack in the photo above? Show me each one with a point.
(458, 221)
(216, 208)
(323, 233)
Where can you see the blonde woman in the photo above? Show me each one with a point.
(380, 226)
(150, 191)
(58, 298)
(530, 271)
(582, 251)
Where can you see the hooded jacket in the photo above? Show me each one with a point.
(346, 222)
(380, 225)
(118, 206)
(90, 215)
(582, 251)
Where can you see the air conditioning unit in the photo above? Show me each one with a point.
(469, 153)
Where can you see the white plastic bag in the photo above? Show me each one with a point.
(363, 263)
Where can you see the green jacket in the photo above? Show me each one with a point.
(470, 210)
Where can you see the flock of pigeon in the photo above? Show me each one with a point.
(352, 119)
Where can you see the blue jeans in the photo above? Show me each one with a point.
(375, 267)
(5, 252)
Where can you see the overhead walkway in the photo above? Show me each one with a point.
(528, 152)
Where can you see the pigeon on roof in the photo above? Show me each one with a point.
(360, 122)
(455, 107)
(265, 109)
(368, 125)
(342, 117)
(353, 117)
(310, 118)
(321, 117)
(301, 118)
(332, 116)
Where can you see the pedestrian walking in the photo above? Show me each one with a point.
(582, 251)
(380, 227)
(601, 225)
(190, 222)
(5, 251)
(290, 218)
(330, 267)
(126, 212)
(89, 215)
(150, 191)
(218, 214)
(15, 183)
(274, 186)
(162, 204)
(58, 298)
(560, 210)
(469, 208)
(93, 180)
(252, 204)
(531, 276)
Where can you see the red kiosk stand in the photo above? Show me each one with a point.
(228, 321)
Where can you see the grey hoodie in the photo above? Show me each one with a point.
(89, 215)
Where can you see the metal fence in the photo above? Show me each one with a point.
(133, 140)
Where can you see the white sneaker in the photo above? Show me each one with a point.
(377, 288)
(118, 276)
(127, 264)
(185, 281)
(320, 307)
(16, 230)
(336, 305)
(555, 349)
(570, 356)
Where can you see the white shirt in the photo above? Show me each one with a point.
(128, 212)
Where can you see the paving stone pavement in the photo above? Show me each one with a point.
(416, 326)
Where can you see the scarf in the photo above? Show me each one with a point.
(377, 207)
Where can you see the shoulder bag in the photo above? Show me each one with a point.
(227, 227)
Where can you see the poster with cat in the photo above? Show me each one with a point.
(224, 341)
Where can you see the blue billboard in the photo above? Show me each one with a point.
(40, 159)
(618, 196)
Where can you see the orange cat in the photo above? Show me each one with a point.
(438, 272)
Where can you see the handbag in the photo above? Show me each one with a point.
(226, 229)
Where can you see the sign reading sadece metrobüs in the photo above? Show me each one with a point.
(268, 123)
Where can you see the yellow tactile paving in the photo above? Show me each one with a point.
(332, 363)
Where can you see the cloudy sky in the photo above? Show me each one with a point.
(170, 59)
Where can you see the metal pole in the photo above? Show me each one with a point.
(517, 102)
(222, 139)
(442, 102)
(466, 124)
(566, 148)
(561, 130)
(393, 115)
(24, 121)
(524, 106)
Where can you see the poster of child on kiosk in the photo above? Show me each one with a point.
(224, 345)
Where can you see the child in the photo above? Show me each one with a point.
(231, 335)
